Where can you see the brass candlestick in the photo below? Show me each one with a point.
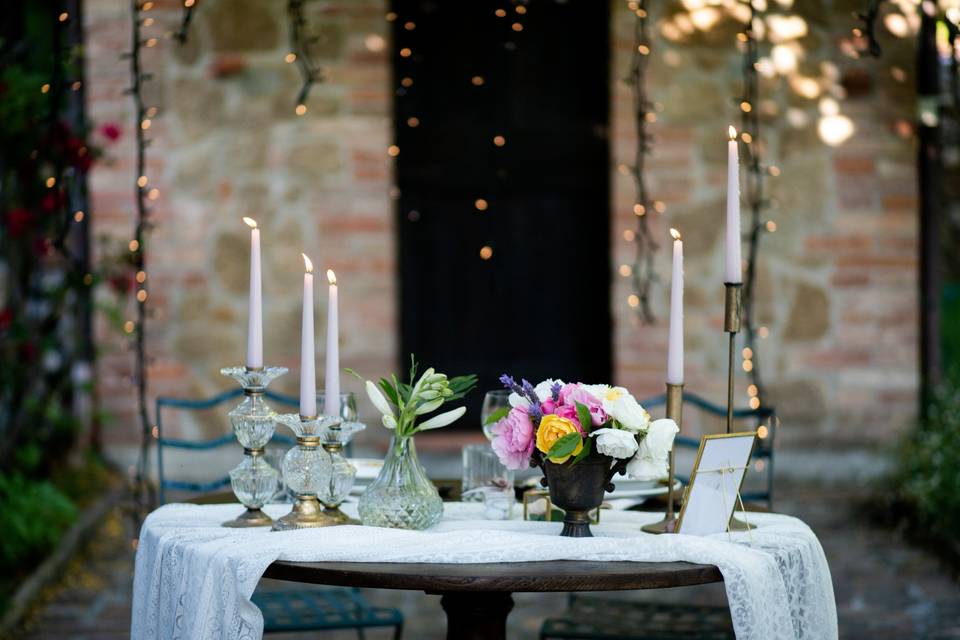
(731, 324)
(335, 490)
(674, 411)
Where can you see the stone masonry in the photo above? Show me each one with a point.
(837, 288)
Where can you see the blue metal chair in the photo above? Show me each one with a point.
(284, 610)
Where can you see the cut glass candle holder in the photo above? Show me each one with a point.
(253, 481)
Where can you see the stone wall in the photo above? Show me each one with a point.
(837, 288)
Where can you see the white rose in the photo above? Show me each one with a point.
(542, 390)
(651, 460)
(615, 443)
(624, 408)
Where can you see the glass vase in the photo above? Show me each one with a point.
(402, 496)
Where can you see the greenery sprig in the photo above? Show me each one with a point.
(403, 404)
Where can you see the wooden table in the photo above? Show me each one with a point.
(477, 597)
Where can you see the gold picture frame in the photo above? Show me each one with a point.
(688, 491)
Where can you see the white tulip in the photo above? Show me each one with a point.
(379, 400)
(442, 420)
(616, 443)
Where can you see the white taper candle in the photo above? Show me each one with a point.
(332, 395)
(675, 336)
(733, 272)
(255, 311)
(308, 375)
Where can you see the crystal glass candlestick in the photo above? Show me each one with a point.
(254, 481)
(306, 468)
(342, 474)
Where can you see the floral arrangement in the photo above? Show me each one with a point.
(567, 421)
(402, 404)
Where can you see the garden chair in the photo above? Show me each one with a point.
(287, 609)
(599, 618)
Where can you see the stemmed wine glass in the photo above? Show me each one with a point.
(494, 403)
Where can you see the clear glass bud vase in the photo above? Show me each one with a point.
(402, 496)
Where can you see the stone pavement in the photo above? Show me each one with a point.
(884, 587)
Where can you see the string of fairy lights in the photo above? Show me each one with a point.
(756, 199)
(143, 195)
(301, 53)
(642, 273)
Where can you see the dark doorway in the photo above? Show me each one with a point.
(503, 216)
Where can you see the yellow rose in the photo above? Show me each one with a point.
(552, 428)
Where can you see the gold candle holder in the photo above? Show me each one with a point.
(674, 411)
(731, 325)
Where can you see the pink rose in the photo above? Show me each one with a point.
(571, 394)
(548, 406)
(514, 439)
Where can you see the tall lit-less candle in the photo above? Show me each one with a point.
(332, 395)
(675, 339)
(255, 319)
(733, 273)
(308, 374)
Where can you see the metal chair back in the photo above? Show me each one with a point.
(187, 404)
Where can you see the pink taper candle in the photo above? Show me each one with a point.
(255, 318)
(675, 336)
(733, 273)
(308, 374)
(332, 395)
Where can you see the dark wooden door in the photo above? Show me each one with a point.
(504, 242)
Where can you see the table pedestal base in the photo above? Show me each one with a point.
(479, 615)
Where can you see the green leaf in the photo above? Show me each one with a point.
(496, 416)
(564, 446)
(587, 447)
(353, 373)
(389, 391)
(461, 386)
(583, 414)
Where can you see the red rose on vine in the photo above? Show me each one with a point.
(18, 221)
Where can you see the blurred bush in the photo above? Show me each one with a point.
(928, 477)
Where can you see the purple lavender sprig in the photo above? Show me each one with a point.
(555, 391)
(524, 390)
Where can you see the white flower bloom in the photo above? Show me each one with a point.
(389, 421)
(598, 391)
(542, 390)
(624, 408)
(644, 469)
(615, 443)
(652, 457)
(442, 420)
(379, 400)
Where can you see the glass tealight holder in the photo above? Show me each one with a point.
(253, 481)
(306, 468)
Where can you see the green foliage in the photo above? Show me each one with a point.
(564, 446)
(928, 478)
(496, 416)
(34, 516)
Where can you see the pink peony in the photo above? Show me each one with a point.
(514, 439)
(571, 394)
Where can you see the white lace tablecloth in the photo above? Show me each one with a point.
(194, 578)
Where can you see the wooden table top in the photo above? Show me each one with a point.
(556, 575)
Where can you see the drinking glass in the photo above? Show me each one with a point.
(348, 405)
(483, 472)
(493, 402)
